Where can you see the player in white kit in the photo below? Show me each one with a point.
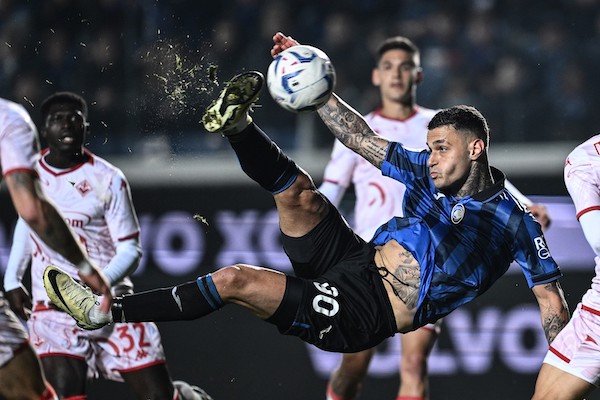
(95, 200)
(571, 368)
(379, 198)
(20, 373)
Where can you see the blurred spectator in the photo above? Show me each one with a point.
(149, 66)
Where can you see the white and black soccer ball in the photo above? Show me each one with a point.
(301, 78)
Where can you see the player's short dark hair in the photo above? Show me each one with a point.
(397, 42)
(462, 118)
(64, 98)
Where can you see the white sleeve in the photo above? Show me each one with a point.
(582, 183)
(338, 172)
(333, 192)
(340, 168)
(518, 195)
(125, 261)
(124, 231)
(20, 256)
(590, 223)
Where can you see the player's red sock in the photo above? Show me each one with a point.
(49, 393)
(331, 395)
(78, 397)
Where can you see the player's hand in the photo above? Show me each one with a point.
(282, 42)
(20, 302)
(540, 212)
(99, 285)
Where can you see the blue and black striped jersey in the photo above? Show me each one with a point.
(463, 244)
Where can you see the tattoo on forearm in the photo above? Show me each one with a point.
(554, 320)
(353, 131)
(553, 324)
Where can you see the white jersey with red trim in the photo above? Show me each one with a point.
(18, 138)
(582, 175)
(582, 179)
(576, 348)
(378, 198)
(18, 149)
(95, 200)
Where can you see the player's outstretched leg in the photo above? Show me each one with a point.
(258, 289)
(301, 208)
(165, 304)
(259, 156)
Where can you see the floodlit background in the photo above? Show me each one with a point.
(144, 65)
(145, 69)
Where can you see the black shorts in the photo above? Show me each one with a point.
(337, 300)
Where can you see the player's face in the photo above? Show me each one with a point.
(450, 158)
(65, 129)
(397, 75)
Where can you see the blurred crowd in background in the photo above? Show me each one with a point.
(147, 66)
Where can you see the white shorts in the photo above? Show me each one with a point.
(576, 349)
(108, 351)
(12, 333)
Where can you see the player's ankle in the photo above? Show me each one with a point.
(331, 395)
(97, 316)
(239, 126)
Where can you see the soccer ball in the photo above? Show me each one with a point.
(301, 78)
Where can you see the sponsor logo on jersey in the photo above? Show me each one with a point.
(541, 247)
(457, 214)
(75, 223)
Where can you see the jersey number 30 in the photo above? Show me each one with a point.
(326, 303)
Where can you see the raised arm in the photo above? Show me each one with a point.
(553, 308)
(350, 128)
(342, 120)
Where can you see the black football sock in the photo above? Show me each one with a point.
(262, 160)
(187, 301)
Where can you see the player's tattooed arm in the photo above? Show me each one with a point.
(352, 130)
(553, 308)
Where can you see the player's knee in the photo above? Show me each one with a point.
(413, 364)
(302, 193)
(232, 280)
(356, 364)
